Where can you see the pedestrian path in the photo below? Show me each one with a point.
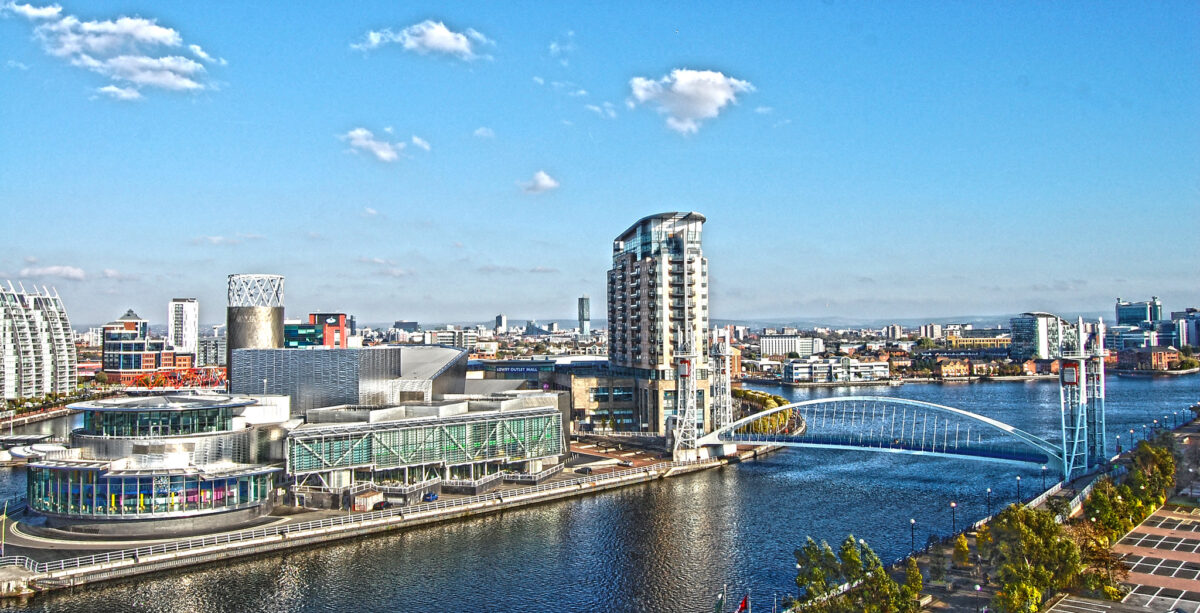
(1163, 557)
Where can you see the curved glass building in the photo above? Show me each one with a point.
(139, 466)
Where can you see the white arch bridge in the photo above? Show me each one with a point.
(896, 425)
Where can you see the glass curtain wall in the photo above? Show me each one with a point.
(88, 492)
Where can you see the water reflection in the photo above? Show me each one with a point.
(666, 546)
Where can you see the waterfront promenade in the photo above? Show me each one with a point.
(25, 574)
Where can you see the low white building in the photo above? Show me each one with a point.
(817, 370)
(783, 344)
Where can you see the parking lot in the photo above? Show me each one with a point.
(1163, 556)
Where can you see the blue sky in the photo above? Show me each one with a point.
(853, 159)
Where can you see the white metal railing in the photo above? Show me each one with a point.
(482, 481)
(534, 477)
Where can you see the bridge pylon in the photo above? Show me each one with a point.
(1081, 400)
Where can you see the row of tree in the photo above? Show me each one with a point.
(852, 580)
(770, 424)
(1035, 556)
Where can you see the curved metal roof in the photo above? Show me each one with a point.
(167, 402)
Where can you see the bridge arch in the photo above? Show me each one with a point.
(899, 425)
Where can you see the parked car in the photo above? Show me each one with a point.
(429, 497)
(381, 505)
(584, 470)
(626, 463)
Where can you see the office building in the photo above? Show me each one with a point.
(183, 325)
(894, 332)
(162, 466)
(377, 376)
(130, 356)
(648, 291)
(451, 337)
(211, 351)
(37, 352)
(1038, 336)
(1136, 313)
(786, 344)
(321, 330)
(931, 331)
(828, 370)
(407, 326)
(254, 317)
(501, 324)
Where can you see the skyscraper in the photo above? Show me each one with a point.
(37, 352)
(585, 316)
(183, 325)
(647, 294)
(501, 324)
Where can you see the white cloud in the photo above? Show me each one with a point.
(120, 93)
(369, 212)
(687, 97)
(420, 142)
(215, 240)
(541, 270)
(70, 273)
(200, 53)
(483, 132)
(539, 80)
(28, 11)
(362, 139)
(763, 110)
(389, 129)
(13, 64)
(577, 92)
(560, 48)
(126, 50)
(429, 36)
(540, 183)
(606, 111)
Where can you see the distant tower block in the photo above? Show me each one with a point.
(585, 316)
(254, 318)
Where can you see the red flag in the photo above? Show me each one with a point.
(745, 606)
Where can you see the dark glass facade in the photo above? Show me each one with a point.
(149, 424)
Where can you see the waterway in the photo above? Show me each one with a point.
(666, 546)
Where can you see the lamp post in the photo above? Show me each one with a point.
(264, 386)
(912, 535)
(1043, 477)
(1118, 444)
(1018, 489)
(989, 496)
(1145, 436)
(977, 597)
(953, 518)
(1132, 438)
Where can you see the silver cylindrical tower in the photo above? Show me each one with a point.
(254, 317)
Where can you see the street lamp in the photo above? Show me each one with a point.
(1018, 489)
(264, 386)
(977, 596)
(1043, 477)
(912, 535)
(953, 522)
(989, 492)
(1118, 444)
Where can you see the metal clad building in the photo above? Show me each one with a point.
(321, 377)
(254, 318)
(37, 352)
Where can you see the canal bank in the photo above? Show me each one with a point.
(23, 575)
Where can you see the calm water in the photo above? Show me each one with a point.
(665, 546)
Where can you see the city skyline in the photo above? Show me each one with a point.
(448, 164)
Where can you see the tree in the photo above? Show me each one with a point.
(913, 582)
(1187, 364)
(102, 377)
(962, 554)
(925, 343)
(1021, 597)
(852, 563)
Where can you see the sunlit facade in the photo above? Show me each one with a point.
(37, 349)
(143, 465)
